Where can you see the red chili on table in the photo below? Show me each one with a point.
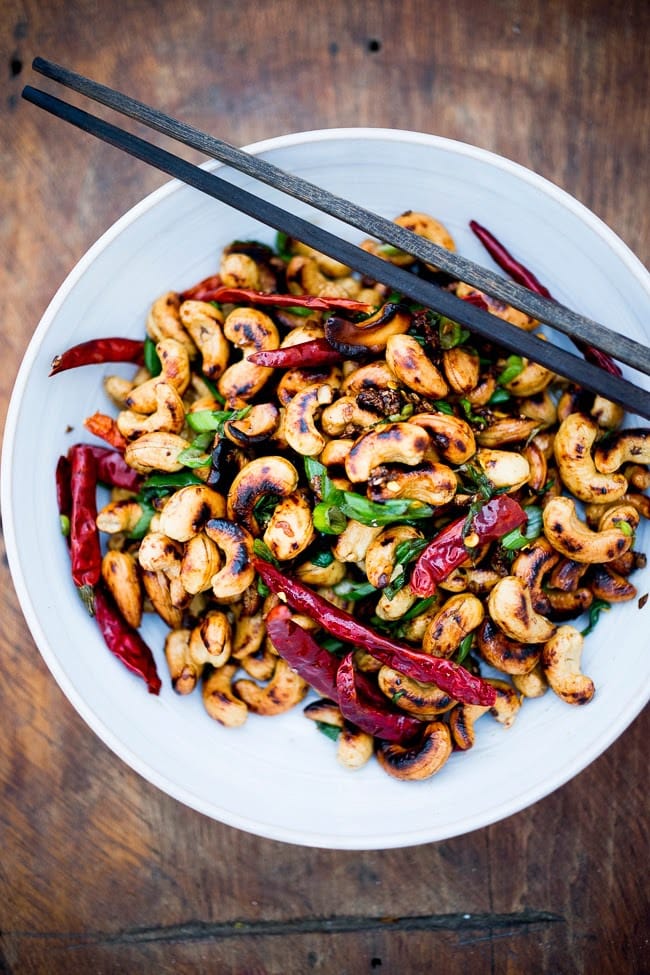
(95, 351)
(85, 550)
(317, 352)
(447, 551)
(448, 676)
(125, 642)
(522, 275)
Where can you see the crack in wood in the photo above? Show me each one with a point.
(209, 931)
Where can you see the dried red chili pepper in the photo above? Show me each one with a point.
(125, 642)
(298, 647)
(317, 352)
(202, 290)
(85, 551)
(447, 551)
(105, 427)
(63, 490)
(112, 469)
(522, 275)
(317, 302)
(99, 350)
(365, 706)
(450, 677)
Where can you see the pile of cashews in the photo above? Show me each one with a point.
(547, 443)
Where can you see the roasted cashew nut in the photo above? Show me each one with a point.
(462, 369)
(561, 663)
(157, 588)
(219, 700)
(203, 322)
(370, 335)
(424, 701)
(532, 379)
(396, 442)
(410, 363)
(284, 691)
(395, 607)
(461, 724)
(236, 544)
(459, 616)
(293, 381)
(345, 417)
(625, 446)
(300, 430)
(261, 477)
(258, 426)
(352, 544)
(510, 429)
(334, 452)
(189, 509)
(380, 559)
(169, 415)
(429, 482)
(164, 322)
(120, 573)
(452, 437)
(155, 452)
(508, 703)
(211, 640)
(320, 575)
(572, 447)
(252, 331)
(183, 671)
(533, 684)
(175, 371)
(238, 270)
(200, 562)
(290, 529)
(510, 606)
(419, 760)
(119, 516)
(504, 654)
(373, 376)
(573, 538)
(503, 468)
(531, 566)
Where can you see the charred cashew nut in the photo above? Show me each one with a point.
(318, 575)
(396, 442)
(199, 564)
(461, 724)
(305, 275)
(538, 466)
(285, 689)
(293, 381)
(510, 606)
(252, 331)
(175, 371)
(302, 333)
(203, 322)
(290, 529)
(504, 654)
(159, 553)
(408, 360)
(169, 415)
(561, 663)
(424, 701)
(257, 426)
(572, 447)
(155, 452)
(617, 515)
(157, 587)
(238, 270)
(324, 712)
(260, 664)
(262, 476)
(394, 608)
(328, 265)
(219, 700)
(607, 415)
(345, 416)
(420, 760)
(470, 579)
(426, 226)
(452, 437)
(183, 671)
(532, 379)
(503, 468)
(355, 747)
(334, 452)
(381, 553)
(462, 369)
(120, 573)
(211, 640)
(511, 429)
(460, 614)
(540, 407)
(429, 482)
(119, 516)
(352, 544)
(370, 335)
(531, 566)
(625, 446)
(507, 704)
(573, 538)
(188, 510)
(164, 322)
(236, 544)
(533, 684)
(374, 375)
(605, 583)
(300, 430)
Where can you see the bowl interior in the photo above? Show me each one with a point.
(279, 777)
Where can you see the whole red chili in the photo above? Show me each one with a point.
(112, 469)
(298, 647)
(63, 490)
(125, 642)
(317, 352)
(105, 427)
(364, 705)
(85, 551)
(224, 294)
(99, 350)
(202, 290)
(448, 550)
(448, 676)
(522, 275)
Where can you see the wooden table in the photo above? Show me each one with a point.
(99, 871)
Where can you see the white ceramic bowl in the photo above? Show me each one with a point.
(279, 777)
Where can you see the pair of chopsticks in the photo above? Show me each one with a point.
(571, 367)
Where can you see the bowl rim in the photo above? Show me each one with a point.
(106, 735)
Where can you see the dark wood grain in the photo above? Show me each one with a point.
(101, 872)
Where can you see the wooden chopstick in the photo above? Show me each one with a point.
(578, 327)
(591, 377)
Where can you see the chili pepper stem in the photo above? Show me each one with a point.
(87, 594)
